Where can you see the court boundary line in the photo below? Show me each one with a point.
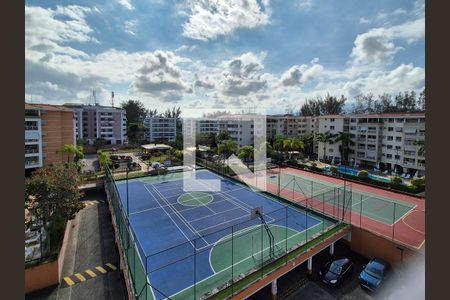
(404, 222)
(210, 276)
(154, 208)
(400, 202)
(371, 215)
(180, 216)
(194, 220)
(171, 219)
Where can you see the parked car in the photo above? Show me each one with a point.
(373, 274)
(335, 271)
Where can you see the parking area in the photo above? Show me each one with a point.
(296, 284)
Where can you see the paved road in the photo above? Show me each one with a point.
(91, 244)
(90, 162)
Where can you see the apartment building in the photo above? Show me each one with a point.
(386, 141)
(47, 129)
(160, 129)
(242, 127)
(289, 125)
(96, 121)
(207, 126)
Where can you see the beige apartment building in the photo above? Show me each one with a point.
(386, 141)
(47, 129)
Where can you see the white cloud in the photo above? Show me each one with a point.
(130, 26)
(186, 48)
(299, 75)
(127, 4)
(213, 18)
(47, 31)
(364, 21)
(377, 45)
(160, 77)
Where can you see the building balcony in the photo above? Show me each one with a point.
(31, 128)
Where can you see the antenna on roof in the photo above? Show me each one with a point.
(95, 99)
(112, 99)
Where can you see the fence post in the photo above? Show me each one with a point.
(262, 251)
(232, 260)
(360, 212)
(195, 269)
(286, 236)
(293, 189)
(393, 221)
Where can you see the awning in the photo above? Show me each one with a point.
(156, 147)
(410, 130)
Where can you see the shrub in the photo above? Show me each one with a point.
(333, 169)
(396, 181)
(363, 174)
(418, 182)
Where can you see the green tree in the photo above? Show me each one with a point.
(421, 149)
(331, 105)
(226, 148)
(136, 133)
(222, 136)
(135, 110)
(72, 151)
(346, 141)
(278, 143)
(308, 142)
(103, 158)
(52, 197)
(246, 153)
(292, 144)
(325, 138)
(99, 143)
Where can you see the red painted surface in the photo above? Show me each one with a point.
(408, 230)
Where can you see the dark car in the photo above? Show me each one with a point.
(373, 274)
(334, 271)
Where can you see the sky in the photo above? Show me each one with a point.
(266, 54)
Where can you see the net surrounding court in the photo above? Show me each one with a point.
(395, 216)
(192, 244)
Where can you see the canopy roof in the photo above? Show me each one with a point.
(156, 147)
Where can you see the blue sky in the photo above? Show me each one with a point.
(214, 53)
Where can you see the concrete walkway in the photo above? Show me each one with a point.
(91, 244)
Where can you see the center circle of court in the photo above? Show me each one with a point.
(195, 199)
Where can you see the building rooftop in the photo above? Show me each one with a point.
(49, 107)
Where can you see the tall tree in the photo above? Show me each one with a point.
(325, 138)
(222, 136)
(421, 101)
(308, 142)
(246, 153)
(331, 105)
(72, 151)
(311, 107)
(346, 141)
(135, 110)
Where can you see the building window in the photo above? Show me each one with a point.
(390, 138)
(331, 127)
(398, 138)
(331, 120)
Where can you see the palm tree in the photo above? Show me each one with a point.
(325, 138)
(421, 144)
(227, 147)
(292, 144)
(72, 151)
(246, 153)
(346, 141)
(308, 142)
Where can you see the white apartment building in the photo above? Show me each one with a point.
(33, 139)
(95, 121)
(207, 126)
(160, 129)
(289, 125)
(384, 140)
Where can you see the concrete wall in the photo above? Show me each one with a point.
(41, 276)
(371, 245)
(47, 274)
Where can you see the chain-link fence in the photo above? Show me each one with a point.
(239, 255)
